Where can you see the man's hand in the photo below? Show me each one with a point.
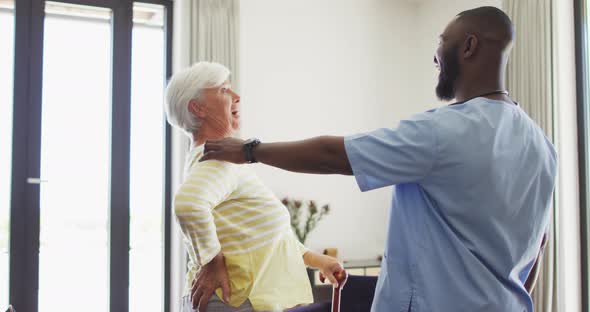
(211, 276)
(228, 149)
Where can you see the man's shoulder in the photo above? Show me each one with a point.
(470, 113)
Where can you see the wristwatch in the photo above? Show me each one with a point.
(248, 149)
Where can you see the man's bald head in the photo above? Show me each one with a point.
(490, 23)
(474, 46)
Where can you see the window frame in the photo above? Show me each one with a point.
(581, 23)
(26, 151)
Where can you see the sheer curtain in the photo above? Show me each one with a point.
(540, 76)
(530, 82)
(204, 30)
(214, 37)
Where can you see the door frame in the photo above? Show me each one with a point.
(26, 152)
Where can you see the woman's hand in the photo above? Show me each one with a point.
(329, 267)
(211, 276)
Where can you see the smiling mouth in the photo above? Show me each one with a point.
(235, 113)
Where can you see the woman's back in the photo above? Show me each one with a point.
(223, 207)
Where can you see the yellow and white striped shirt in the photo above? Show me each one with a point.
(225, 207)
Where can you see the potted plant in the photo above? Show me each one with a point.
(305, 216)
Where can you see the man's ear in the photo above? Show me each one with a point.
(197, 108)
(470, 47)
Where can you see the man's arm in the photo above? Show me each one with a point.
(320, 155)
(531, 280)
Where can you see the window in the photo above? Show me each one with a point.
(147, 158)
(75, 158)
(6, 73)
(90, 160)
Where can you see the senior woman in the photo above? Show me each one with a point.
(243, 255)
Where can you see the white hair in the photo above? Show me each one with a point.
(187, 85)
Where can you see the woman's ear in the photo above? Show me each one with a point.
(197, 108)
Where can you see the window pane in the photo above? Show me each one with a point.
(75, 159)
(147, 159)
(6, 78)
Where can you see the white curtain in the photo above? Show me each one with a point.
(214, 34)
(204, 30)
(529, 75)
(530, 82)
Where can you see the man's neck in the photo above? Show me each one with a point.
(489, 92)
(482, 79)
(472, 89)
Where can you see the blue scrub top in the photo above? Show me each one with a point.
(472, 200)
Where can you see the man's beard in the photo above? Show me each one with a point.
(449, 73)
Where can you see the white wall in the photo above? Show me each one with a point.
(313, 67)
(338, 67)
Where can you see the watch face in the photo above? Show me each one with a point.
(251, 141)
(247, 147)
